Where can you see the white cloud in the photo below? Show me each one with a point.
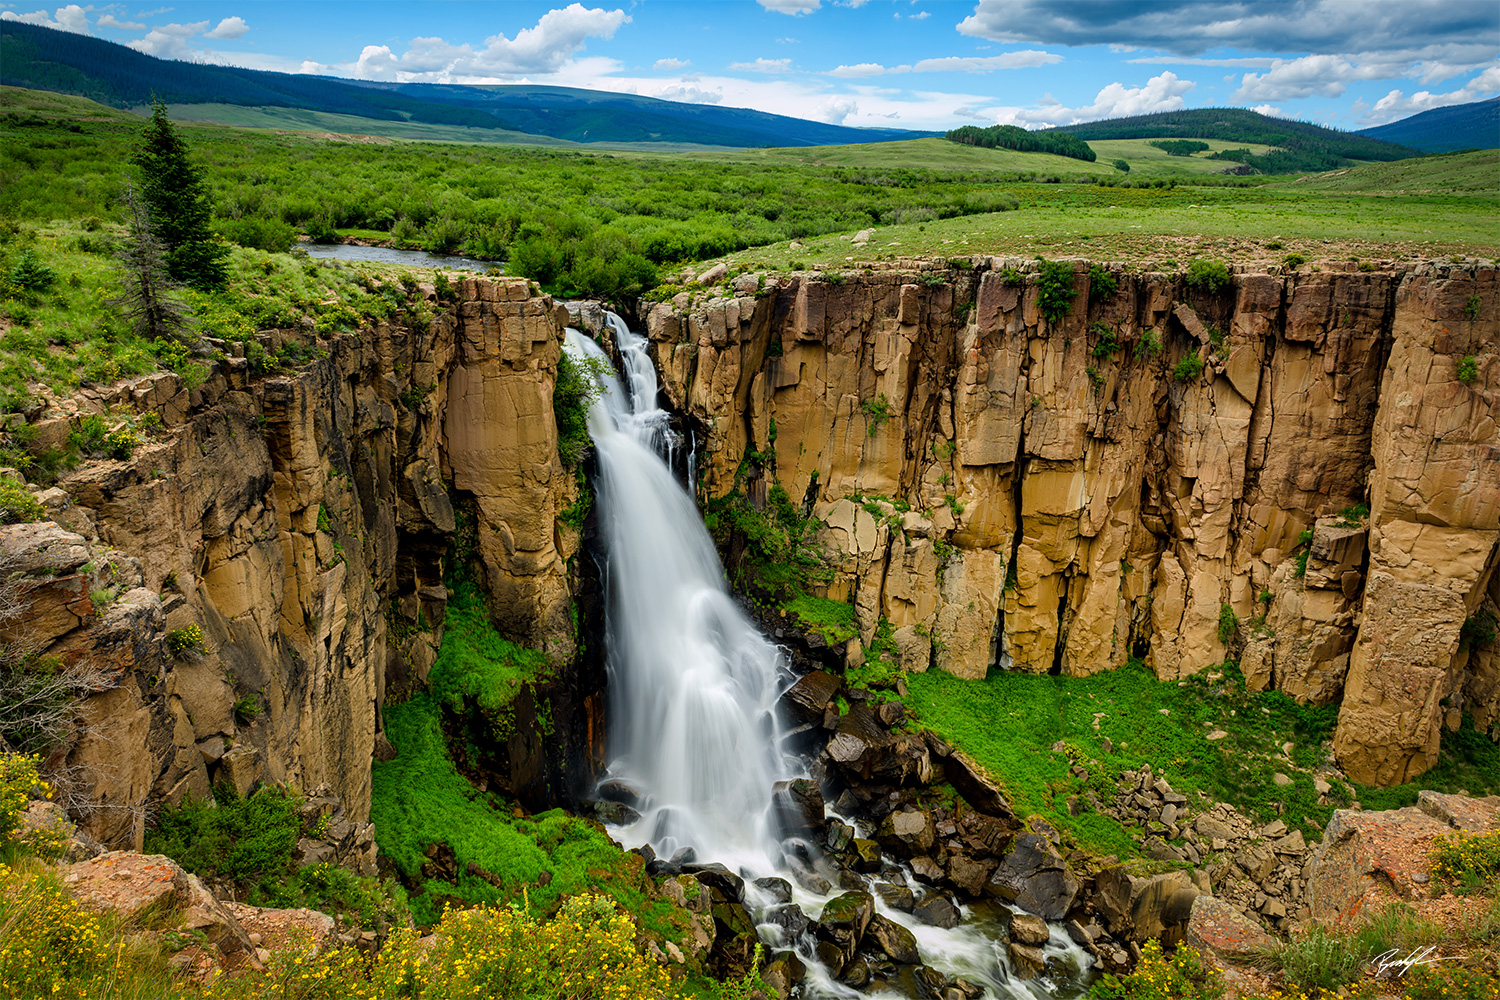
(1247, 62)
(688, 95)
(170, 41)
(672, 64)
(1307, 76)
(1160, 93)
(835, 109)
(857, 70)
(924, 15)
(230, 27)
(376, 63)
(110, 21)
(763, 66)
(1270, 110)
(984, 64)
(1396, 105)
(70, 18)
(792, 8)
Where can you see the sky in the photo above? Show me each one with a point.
(921, 64)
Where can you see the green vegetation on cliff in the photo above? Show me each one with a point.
(476, 664)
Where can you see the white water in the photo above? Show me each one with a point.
(694, 685)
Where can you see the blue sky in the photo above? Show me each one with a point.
(927, 64)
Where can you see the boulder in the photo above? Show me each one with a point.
(969, 875)
(1033, 876)
(843, 923)
(1026, 962)
(894, 941)
(716, 876)
(1026, 928)
(1369, 858)
(970, 781)
(1140, 903)
(909, 832)
(811, 695)
(936, 910)
(798, 806)
(1215, 926)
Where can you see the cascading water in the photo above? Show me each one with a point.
(694, 689)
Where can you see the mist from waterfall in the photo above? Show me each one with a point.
(694, 686)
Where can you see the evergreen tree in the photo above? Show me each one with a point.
(148, 299)
(178, 204)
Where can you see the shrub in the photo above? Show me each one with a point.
(18, 780)
(17, 504)
(1188, 369)
(877, 411)
(1448, 981)
(1471, 308)
(1122, 166)
(1477, 630)
(1148, 344)
(1102, 283)
(578, 385)
(1320, 958)
(1228, 623)
(1011, 276)
(1183, 976)
(1295, 260)
(185, 640)
(833, 620)
(1106, 344)
(1466, 861)
(1056, 293)
(258, 232)
(1468, 369)
(1209, 275)
(30, 273)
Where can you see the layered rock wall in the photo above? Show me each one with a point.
(1056, 497)
(301, 521)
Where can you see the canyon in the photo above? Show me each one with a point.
(1318, 499)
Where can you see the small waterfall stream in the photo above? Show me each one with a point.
(694, 689)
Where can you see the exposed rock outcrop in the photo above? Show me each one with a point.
(1005, 491)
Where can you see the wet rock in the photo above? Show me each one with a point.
(927, 870)
(936, 910)
(866, 856)
(844, 921)
(615, 790)
(811, 695)
(798, 806)
(779, 890)
(891, 714)
(838, 836)
(1033, 876)
(790, 918)
(897, 897)
(1140, 904)
(804, 875)
(1026, 962)
(684, 856)
(1028, 929)
(612, 813)
(858, 973)
(716, 876)
(894, 941)
(968, 875)
(783, 973)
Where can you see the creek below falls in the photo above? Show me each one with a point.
(699, 751)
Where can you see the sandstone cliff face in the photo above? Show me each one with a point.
(297, 518)
(1073, 503)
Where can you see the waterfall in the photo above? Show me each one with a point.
(694, 687)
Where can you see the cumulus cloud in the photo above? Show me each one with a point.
(1270, 110)
(983, 64)
(1160, 93)
(230, 27)
(688, 95)
(546, 48)
(169, 41)
(673, 63)
(110, 21)
(70, 18)
(1396, 105)
(792, 8)
(857, 70)
(763, 66)
(835, 109)
(1191, 27)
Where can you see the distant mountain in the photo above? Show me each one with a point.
(1303, 146)
(44, 59)
(1443, 130)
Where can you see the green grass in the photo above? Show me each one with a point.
(1147, 161)
(1474, 173)
(476, 664)
(833, 620)
(1010, 721)
(303, 120)
(420, 799)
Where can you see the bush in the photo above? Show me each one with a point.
(1466, 861)
(1183, 976)
(1209, 275)
(1468, 369)
(18, 780)
(259, 233)
(1102, 283)
(1228, 623)
(251, 841)
(1295, 260)
(1188, 369)
(1122, 166)
(1055, 285)
(833, 620)
(578, 385)
(17, 504)
(1148, 345)
(1477, 630)
(185, 640)
(877, 411)
(30, 274)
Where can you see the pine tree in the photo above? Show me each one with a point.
(178, 204)
(148, 300)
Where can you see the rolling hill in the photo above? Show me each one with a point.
(1299, 146)
(1444, 130)
(43, 59)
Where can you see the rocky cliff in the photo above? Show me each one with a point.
(301, 520)
(1321, 499)
(1299, 470)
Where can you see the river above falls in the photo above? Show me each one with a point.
(390, 255)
